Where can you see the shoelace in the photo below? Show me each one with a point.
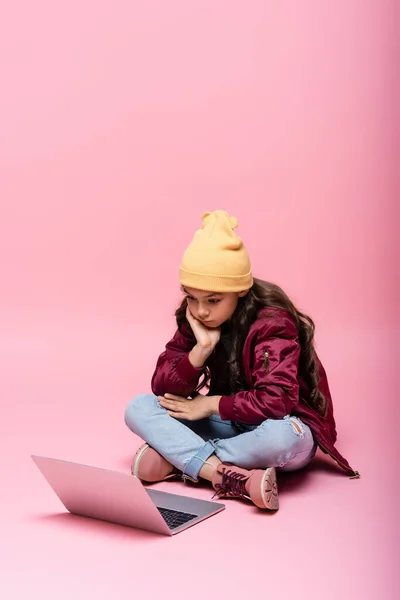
(232, 484)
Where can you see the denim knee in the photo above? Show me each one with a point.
(138, 410)
(282, 440)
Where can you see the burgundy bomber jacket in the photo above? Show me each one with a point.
(276, 386)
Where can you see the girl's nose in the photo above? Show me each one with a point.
(203, 312)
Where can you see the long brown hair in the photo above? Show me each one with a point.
(268, 295)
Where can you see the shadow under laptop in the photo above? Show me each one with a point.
(92, 527)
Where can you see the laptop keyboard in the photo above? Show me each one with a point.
(174, 518)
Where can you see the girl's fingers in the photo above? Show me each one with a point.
(165, 402)
(165, 398)
(173, 397)
(171, 405)
(174, 414)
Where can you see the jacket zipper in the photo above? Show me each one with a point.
(266, 361)
(356, 474)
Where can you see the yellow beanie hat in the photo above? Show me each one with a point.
(216, 259)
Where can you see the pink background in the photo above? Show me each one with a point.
(120, 123)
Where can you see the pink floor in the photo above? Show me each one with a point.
(65, 395)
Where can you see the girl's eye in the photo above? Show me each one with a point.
(189, 298)
(214, 301)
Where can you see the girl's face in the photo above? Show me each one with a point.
(212, 308)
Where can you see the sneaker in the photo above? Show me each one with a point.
(149, 466)
(256, 485)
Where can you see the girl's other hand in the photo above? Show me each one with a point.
(200, 407)
(206, 338)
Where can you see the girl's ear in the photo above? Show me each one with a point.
(242, 294)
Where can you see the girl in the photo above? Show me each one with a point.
(268, 404)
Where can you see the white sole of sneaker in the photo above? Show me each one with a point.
(270, 499)
(138, 456)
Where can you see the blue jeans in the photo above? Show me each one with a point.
(285, 443)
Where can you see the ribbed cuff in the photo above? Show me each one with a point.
(195, 464)
(187, 372)
(226, 408)
(216, 283)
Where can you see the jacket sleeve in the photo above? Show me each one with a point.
(174, 373)
(274, 386)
